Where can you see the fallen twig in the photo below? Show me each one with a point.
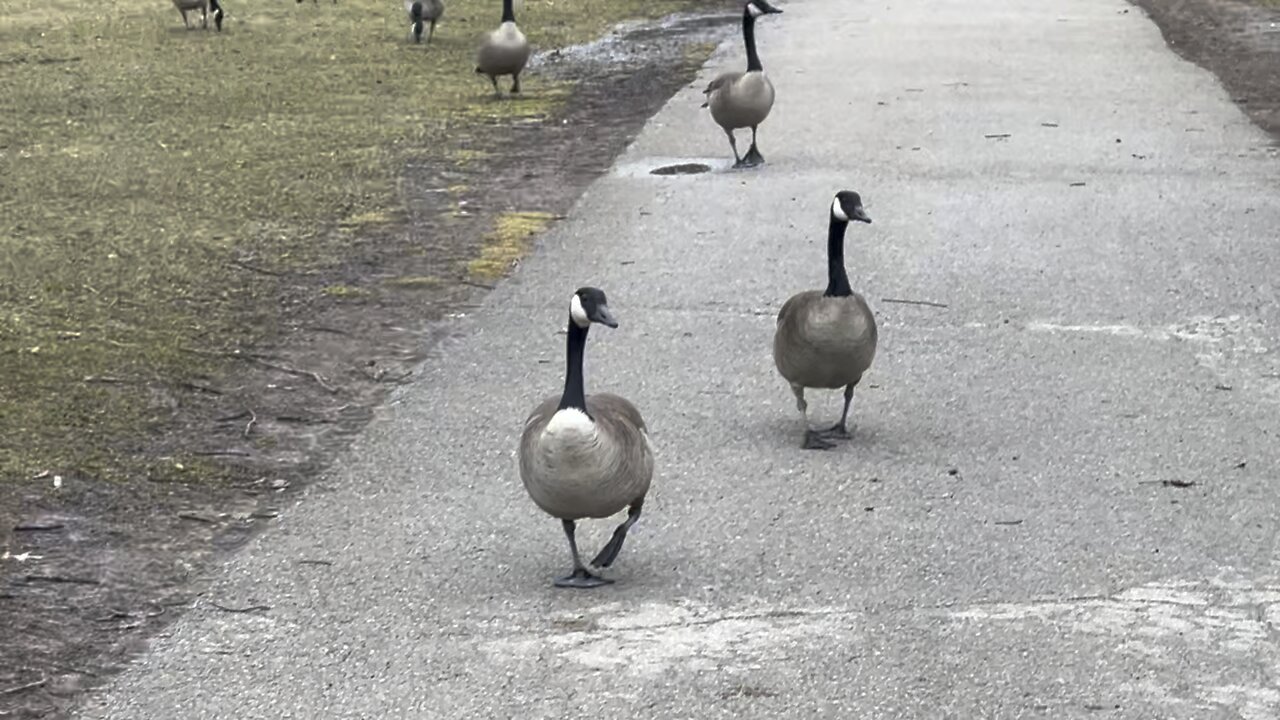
(200, 388)
(248, 427)
(221, 453)
(62, 579)
(37, 527)
(997, 136)
(1169, 483)
(259, 360)
(315, 562)
(198, 517)
(28, 686)
(253, 268)
(317, 377)
(482, 286)
(249, 609)
(927, 303)
(105, 380)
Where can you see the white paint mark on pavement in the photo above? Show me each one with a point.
(1229, 622)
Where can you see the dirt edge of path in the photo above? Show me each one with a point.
(1236, 40)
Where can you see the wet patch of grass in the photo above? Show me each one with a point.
(159, 186)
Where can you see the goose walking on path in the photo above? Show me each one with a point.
(827, 339)
(504, 51)
(586, 456)
(422, 12)
(743, 99)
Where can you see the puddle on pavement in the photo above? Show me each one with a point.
(672, 167)
(681, 169)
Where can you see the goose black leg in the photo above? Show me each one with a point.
(515, 84)
(494, 79)
(733, 143)
(753, 156)
(432, 32)
(610, 551)
(580, 577)
(813, 439)
(840, 429)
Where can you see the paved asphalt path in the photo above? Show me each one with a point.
(1101, 224)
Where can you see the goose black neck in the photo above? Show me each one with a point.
(508, 11)
(837, 278)
(749, 36)
(575, 395)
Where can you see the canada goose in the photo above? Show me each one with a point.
(586, 456)
(827, 339)
(204, 6)
(421, 11)
(504, 51)
(743, 99)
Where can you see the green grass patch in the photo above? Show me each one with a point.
(140, 161)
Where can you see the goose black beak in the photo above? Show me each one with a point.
(861, 215)
(604, 317)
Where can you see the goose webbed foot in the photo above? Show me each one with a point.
(582, 579)
(839, 431)
(753, 157)
(610, 551)
(816, 440)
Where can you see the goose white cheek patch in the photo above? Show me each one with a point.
(837, 211)
(578, 313)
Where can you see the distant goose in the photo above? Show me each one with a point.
(586, 456)
(504, 51)
(743, 99)
(204, 6)
(827, 339)
(424, 11)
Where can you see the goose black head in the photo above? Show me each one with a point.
(590, 305)
(848, 206)
(756, 8)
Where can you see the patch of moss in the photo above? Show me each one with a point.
(508, 242)
(368, 219)
(345, 291)
(414, 281)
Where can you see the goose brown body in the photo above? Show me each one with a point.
(586, 465)
(505, 51)
(823, 341)
(740, 99)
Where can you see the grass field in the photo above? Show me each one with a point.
(143, 166)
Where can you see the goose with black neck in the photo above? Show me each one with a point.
(827, 338)
(421, 14)
(744, 99)
(586, 456)
(504, 51)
